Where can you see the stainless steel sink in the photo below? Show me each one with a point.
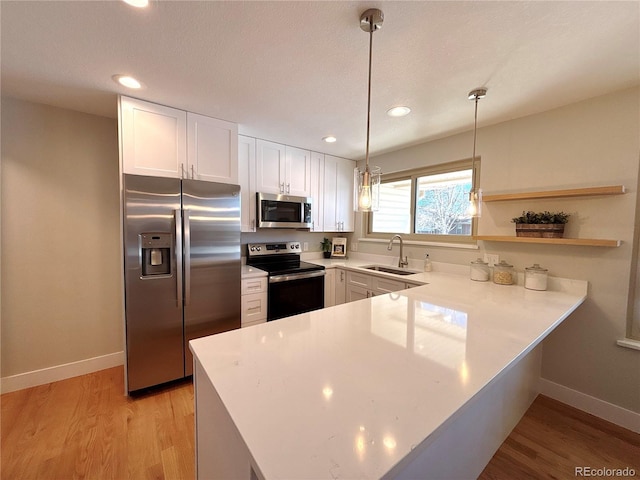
(384, 269)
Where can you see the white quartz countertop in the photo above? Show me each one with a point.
(350, 391)
(251, 272)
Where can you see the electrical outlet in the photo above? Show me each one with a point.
(354, 246)
(491, 258)
(305, 246)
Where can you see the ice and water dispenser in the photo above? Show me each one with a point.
(156, 253)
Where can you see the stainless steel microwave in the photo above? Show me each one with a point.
(283, 211)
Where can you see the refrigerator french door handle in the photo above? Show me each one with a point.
(177, 214)
(187, 257)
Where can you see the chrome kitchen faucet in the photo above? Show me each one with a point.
(402, 262)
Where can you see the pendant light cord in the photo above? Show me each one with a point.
(473, 158)
(371, 29)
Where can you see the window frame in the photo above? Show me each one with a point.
(413, 174)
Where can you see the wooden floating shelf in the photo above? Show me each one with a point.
(587, 242)
(574, 192)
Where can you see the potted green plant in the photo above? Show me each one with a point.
(541, 224)
(326, 247)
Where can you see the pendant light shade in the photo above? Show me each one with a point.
(475, 195)
(367, 189)
(367, 181)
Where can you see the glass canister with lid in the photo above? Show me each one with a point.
(535, 277)
(479, 270)
(503, 273)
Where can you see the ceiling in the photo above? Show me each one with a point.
(294, 72)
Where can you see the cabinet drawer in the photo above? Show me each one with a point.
(253, 322)
(358, 279)
(254, 307)
(254, 285)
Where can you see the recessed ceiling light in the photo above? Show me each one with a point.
(399, 111)
(127, 81)
(137, 3)
(330, 139)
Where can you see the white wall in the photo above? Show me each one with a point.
(591, 143)
(61, 298)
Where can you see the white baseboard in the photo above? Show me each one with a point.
(605, 410)
(60, 372)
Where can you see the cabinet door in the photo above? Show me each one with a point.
(359, 280)
(330, 288)
(356, 293)
(344, 194)
(152, 138)
(298, 172)
(212, 149)
(383, 285)
(338, 194)
(341, 283)
(317, 192)
(330, 221)
(247, 180)
(270, 170)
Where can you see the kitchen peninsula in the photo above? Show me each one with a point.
(422, 383)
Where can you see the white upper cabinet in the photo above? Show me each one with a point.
(247, 180)
(270, 160)
(152, 138)
(165, 142)
(298, 172)
(338, 194)
(344, 199)
(282, 170)
(317, 192)
(212, 149)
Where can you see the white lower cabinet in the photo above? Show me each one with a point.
(254, 301)
(341, 286)
(335, 282)
(361, 285)
(329, 287)
(355, 292)
(381, 285)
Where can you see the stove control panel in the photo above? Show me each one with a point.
(254, 249)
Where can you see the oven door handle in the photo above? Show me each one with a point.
(296, 276)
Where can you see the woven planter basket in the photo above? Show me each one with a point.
(540, 230)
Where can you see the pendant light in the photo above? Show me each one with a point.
(475, 195)
(367, 181)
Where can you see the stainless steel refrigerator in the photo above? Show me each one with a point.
(182, 272)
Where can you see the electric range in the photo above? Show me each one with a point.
(294, 286)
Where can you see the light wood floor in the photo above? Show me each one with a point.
(85, 427)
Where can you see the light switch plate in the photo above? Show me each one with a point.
(354, 246)
(305, 246)
(491, 258)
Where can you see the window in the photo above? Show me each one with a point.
(428, 204)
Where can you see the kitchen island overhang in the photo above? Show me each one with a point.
(425, 381)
